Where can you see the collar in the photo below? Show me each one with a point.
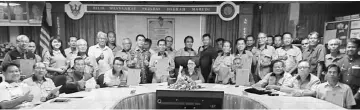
(35, 79)
(225, 54)
(139, 49)
(273, 74)
(169, 49)
(291, 46)
(265, 47)
(162, 53)
(56, 51)
(337, 84)
(307, 78)
(113, 72)
(105, 48)
(123, 50)
(187, 49)
(328, 56)
(72, 52)
(243, 52)
(19, 50)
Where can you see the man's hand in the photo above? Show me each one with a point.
(81, 84)
(297, 94)
(28, 97)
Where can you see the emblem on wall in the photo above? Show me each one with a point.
(75, 10)
(228, 10)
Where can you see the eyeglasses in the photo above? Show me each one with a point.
(303, 67)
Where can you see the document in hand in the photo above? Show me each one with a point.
(133, 77)
(161, 67)
(242, 77)
(90, 83)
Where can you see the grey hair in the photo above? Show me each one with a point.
(20, 37)
(80, 41)
(337, 41)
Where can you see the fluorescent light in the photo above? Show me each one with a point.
(11, 4)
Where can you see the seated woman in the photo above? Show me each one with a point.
(192, 72)
(222, 64)
(237, 64)
(276, 79)
(117, 75)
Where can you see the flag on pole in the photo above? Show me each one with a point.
(44, 32)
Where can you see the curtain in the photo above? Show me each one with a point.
(87, 27)
(312, 17)
(271, 18)
(218, 28)
(4, 34)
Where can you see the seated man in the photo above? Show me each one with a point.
(302, 84)
(41, 87)
(277, 78)
(77, 77)
(117, 75)
(326, 90)
(13, 93)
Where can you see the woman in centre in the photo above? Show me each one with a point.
(192, 72)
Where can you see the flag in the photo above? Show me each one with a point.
(44, 33)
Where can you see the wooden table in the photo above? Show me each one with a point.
(144, 98)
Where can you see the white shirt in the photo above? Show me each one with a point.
(111, 79)
(104, 64)
(11, 91)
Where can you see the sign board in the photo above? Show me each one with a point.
(226, 10)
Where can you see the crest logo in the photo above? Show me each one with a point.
(228, 11)
(75, 10)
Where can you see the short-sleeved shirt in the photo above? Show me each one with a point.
(246, 59)
(12, 91)
(115, 49)
(323, 88)
(39, 89)
(350, 70)
(57, 60)
(222, 66)
(293, 55)
(156, 57)
(310, 84)
(270, 79)
(70, 54)
(104, 64)
(266, 56)
(111, 79)
(332, 60)
(186, 52)
(314, 56)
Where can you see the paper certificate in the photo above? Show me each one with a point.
(133, 77)
(162, 66)
(242, 77)
(335, 98)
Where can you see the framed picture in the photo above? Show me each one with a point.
(159, 28)
(4, 12)
(18, 12)
(35, 11)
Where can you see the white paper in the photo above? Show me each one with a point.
(91, 83)
(133, 77)
(161, 67)
(242, 77)
(335, 97)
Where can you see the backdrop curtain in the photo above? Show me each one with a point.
(312, 16)
(87, 27)
(271, 18)
(4, 34)
(218, 28)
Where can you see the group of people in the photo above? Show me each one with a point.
(271, 62)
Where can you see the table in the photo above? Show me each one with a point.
(144, 98)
